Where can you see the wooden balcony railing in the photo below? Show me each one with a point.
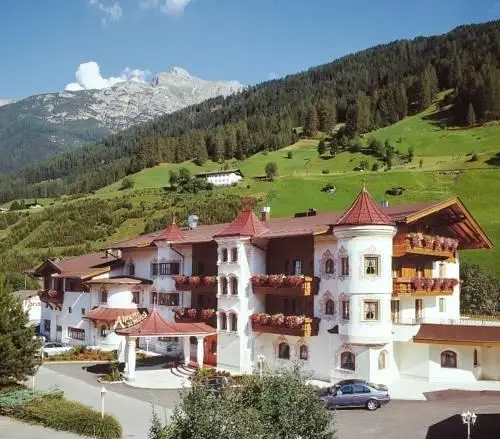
(285, 285)
(420, 244)
(423, 287)
(52, 297)
(299, 326)
(196, 283)
(194, 315)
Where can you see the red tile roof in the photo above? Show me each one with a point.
(457, 333)
(364, 211)
(155, 325)
(171, 233)
(103, 314)
(246, 223)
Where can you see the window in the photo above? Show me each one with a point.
(46, 282)
(372, 265)
(346, 311)
(442, 304)
(476, 362)
(224, 255)
(284, 351)
(329, 267)
(136, 297)
(83, 311)
(233, 322)
(131, 269)
(347, 361)
(449, 359)
(297, 267)
(234, 254)
(169, 268)
(46, 325)
(169, 339)
(360, 388)
(347, 390)
(168, 299)
(222, 321)
(104, 331)
(70, 310)
(73, 285)
(442, 270)
(370, 310)
(382, 360)
(234, 286)
(303, 352)
(58, 328)
(223, 286)
(76, 334)
(154, 268)
(103, 296)
(344, 266)
(330, 307)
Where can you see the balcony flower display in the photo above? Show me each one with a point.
(52, 293)
(259, 280)
(277, 319)
(261, 318)
(428, 283)
(181, 280)
(194, 281)
(276, 280)
(207, 314)
(437, 284)
(293, 281)
(439, 243)
(417, 283)
(295, 322)
(429, 241)
(179, 312)
(447, 284)
(191, 313)
(210, 281)
(448, 244)
(416, 239)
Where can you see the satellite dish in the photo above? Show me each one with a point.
(193, 221)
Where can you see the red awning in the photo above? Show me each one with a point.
(103, 314)
(156, 326)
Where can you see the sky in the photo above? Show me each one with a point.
(50, 45)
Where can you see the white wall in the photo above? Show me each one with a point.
(78, 302)
(224, 179)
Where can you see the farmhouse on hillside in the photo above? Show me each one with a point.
(222, 178)
(372, 292)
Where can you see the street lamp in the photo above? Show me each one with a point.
(260, 360)
(103, 394)
(468, 419)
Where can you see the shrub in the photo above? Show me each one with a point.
(127, 183)
(289, 155)
(474, 158)
(11, 402)
(60, 414)
(325, 171)
(375, 167)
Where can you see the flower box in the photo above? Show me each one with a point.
(429, 241)
(292, 285)
(276, 280)
(300, 326)
(437, 284)
(181, 281)
(194, 281)
(417, 284)
(428, 283)
(277, 319)
(438, 243)
(210, 281)
(207, 314)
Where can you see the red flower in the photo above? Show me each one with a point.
(259, 280)
(277, 319)
(438, 283)
(293, 281)
(181, 280)
(209, 281)
(207, 314)
(276, 280)
(428, 283)
(192, 312)
(194, 281)
(417, 284)
(179, 312)
(295, 322)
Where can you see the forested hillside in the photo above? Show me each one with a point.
(366, 90)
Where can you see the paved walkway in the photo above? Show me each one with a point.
(158, 379)
(133, 414)
(10, 428)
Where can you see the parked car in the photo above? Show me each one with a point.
(54, 348)
(356, 394)
(326, 390)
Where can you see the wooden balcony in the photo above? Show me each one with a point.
(423, 287)
(200, 284)
(54, 298)
(299, 326)
(425, 245)
(195, 315)
(285, 285)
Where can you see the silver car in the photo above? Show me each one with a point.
(356, 395)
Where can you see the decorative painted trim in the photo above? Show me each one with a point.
(327, 255)
(344, 298)
(374, 253)
(343, 253)
(301, 342)
(327, 295)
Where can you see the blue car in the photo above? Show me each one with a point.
(359, 394)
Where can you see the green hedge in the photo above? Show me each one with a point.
(53, 411)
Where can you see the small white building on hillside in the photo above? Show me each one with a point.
(31, 304)
(222, 178)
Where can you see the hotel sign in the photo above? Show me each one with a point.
(130, 320)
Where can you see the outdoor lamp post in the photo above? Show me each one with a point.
(468, 419)
(260, 360)
(103, 394)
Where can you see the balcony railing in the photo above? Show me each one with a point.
(285, 285)
(52, 297)
(194, 315)
(423, 287)
(299, 326)
(198, 283)
(462, 321)
(420, 244)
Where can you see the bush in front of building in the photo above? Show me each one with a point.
(83, 353)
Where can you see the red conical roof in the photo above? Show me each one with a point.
(364, 211)
(246, 223)
(171, 233)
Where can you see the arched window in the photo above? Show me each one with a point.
(223, 284)
(382, 360)
(347, 361)
(104, 331)
(303, 352)
(131, 268)
(330, 307)
(449, 359)
(224, 255)
(284, 351)
(476, 362)
(234, 254)
(222, 321)
(234, 286)
(329, 267)
(233, 322)
(103, 296)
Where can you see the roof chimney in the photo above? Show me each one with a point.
(384, 204)
(265, 213)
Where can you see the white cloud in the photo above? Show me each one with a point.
(111, 13)
(88, 76)
(172, 7)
